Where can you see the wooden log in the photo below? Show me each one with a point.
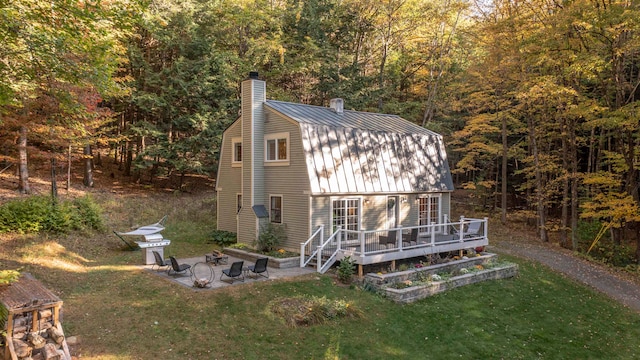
(36, 340)
(56, 335)
(20, 335)
(65, 349)
(45, 313)
(20, 329)
(19, 320)
(21, 348)
(51, 353)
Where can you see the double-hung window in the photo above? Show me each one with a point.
(276, 209)
(236, 147)
(276, 149)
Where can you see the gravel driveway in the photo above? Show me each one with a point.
(562, 261)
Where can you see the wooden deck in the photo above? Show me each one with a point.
(378, 246)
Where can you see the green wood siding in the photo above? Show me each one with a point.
(228, 181)
(291, 181)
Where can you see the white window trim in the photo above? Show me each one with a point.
(360, 210)
(234, 141)
(237, 203)
(438, 229)
(281, 208)
(276, 136)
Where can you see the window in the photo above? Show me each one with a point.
(276, 147)
(276, 209)
(238, 203)
(429, 210)
(237, 151)
(346, 214)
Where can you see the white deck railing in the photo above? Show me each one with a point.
(373, 246)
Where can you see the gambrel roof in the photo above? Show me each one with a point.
(361, 152)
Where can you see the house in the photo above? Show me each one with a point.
(373, 186)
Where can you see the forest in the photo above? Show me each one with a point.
(538, 100)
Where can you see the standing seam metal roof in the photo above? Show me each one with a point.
(360, 152)
(320, 115)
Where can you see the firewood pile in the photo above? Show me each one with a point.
(45, 344)
(30, 319)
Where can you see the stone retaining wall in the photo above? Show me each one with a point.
(278, 263)
(378, 279)
(386, 282)
(414, 293)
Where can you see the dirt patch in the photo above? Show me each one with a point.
(108, 176)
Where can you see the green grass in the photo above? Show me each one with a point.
(122, 312)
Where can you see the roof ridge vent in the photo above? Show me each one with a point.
(337, 105)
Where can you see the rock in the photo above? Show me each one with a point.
(73, 340)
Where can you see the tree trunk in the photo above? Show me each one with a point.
(541, 223)
(128, 159)
(88, 172)
(505, 150)
(23, 169)
(54, 182)
(564, 217)
(69, 169)
(574, 186)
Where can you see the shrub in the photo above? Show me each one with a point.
(271, 236)
(586, 232)
(346, 269)
(612, 254)
(40, 214)
(223, 238)
(312, 310)
(87, 214)
(24, 215)
(8, 276)
(239, 246)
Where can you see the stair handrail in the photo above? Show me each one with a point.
(304, 245)
(323, 268)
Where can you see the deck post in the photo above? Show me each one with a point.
(393, 265)
(445, 219)
(319, 258)
(486, 228)
(360, 271)
(461, 228)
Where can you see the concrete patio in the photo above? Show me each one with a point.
(202, 271)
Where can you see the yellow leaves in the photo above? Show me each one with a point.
(613, 208)
(602, 180)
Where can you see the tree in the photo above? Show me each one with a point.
(48, 49)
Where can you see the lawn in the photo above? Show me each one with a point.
(122, 312)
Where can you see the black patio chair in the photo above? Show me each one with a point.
(391, 238)
(234, 272)
(160, 262)
(260, 267)
(177, 268)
